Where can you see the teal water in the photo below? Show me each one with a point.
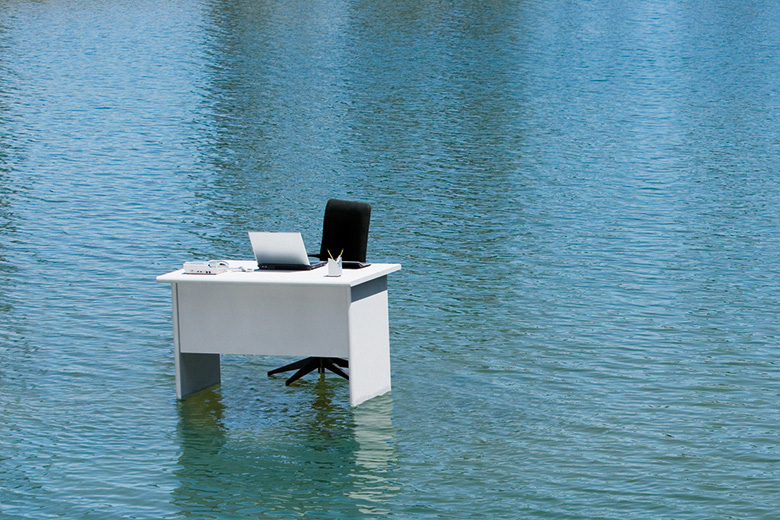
(583, 195)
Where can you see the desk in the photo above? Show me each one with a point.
(282, 313)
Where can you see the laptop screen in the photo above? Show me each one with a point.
(274, 249)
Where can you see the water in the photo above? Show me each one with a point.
(583, 196)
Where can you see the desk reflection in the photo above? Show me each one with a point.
(376, 458)
(284, 454)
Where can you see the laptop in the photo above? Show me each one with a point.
(283, 251)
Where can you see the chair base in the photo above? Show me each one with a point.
(310, 364)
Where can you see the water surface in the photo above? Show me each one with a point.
(583, 196)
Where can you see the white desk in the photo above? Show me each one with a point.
(282, 313)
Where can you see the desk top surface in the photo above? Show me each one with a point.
(349, 277)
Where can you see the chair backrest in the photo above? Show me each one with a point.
(345, 227)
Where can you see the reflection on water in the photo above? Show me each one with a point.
(277, 69)
(376, 459)
(201, 439)
(319, 458)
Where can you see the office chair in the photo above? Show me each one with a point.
(345, 231)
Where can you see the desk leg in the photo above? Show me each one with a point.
(194, 372)
(369, 342)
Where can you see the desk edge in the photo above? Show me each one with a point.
(177, 276)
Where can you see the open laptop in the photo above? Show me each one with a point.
(283, 251)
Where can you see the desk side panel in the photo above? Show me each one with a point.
(263, 319)
(369, 356)
(194, 372)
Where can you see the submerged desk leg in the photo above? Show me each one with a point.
(194, 372)
(369, 342)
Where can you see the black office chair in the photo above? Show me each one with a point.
(345, 231)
